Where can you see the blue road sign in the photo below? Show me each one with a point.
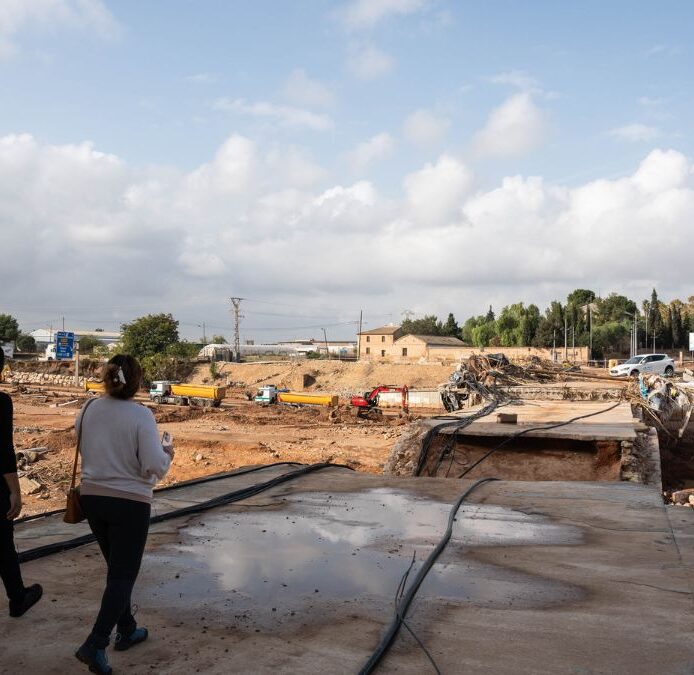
(64, 345)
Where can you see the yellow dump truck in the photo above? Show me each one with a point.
(164, 391)
(97, 387)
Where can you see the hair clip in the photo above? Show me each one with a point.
(121, 376)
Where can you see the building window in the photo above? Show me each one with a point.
(368, 350)
(368, 338)
(383, 352)
(383, 338)
(404, 351)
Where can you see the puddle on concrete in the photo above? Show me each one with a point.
(344, 547)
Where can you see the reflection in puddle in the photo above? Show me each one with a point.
(321, 547)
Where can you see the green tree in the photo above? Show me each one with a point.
(88, 344)
(451, 327)
(149, 335)
(550, 326)
(484, 334)
(183, 350)
(429, 325)
(9, 328)
(219, 340)
(26, 343)
(490, 315)
(615, 308)
(611, 339)
(580, 297)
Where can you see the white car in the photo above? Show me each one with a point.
(661, 364)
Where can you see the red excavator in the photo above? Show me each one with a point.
(369, 401)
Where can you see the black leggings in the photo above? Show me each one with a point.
(120, 526)
(9, 562)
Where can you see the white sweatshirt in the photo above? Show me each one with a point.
(122, 455)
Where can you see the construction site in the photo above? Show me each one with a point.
(486, 516)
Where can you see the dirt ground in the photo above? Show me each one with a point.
(207, 441)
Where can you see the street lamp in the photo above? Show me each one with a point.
(634, 346)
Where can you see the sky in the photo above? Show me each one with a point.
(324, 160)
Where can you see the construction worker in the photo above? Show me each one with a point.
(21, 597)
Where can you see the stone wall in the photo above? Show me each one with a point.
(56, 380)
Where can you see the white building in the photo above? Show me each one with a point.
(46, 336)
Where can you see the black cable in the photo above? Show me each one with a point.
(221, 500)
(398, 596)
(528, 430)
(404, 604)
(174, 486)
(457, 422)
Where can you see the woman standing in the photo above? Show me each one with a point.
(21, 598)
(122, 460)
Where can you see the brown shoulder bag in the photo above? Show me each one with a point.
(73, 508)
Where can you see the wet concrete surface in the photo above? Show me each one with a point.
(322, 548)
(553, 577)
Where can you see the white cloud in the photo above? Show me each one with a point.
(367, 13)
(377, 147)
(17, 16)
(635, 133)
(283, 115)
(303, 90)
(435, 192)
(514, 128)
(183, 241)
(425, 127)
(369, 62)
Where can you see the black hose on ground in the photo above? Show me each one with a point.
(221, 500)
(404, 604)
(174, 486)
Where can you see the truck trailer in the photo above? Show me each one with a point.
(165, 391)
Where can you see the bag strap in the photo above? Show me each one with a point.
(79, 440)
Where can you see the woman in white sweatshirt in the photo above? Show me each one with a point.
(122, 460)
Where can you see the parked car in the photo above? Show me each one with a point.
(660, 364)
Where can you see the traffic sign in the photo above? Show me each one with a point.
(64, 345)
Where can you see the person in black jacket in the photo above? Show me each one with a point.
(21, 598)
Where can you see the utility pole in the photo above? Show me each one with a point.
(554, 345)
(566, 338)
(204, 337)
(361, 315)
(327, 351)
(236, 305)
(590, 332)
(573, 341)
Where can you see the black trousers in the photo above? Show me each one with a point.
(120, 526)
(9, 562)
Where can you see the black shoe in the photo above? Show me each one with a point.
(95, 658)
(124, 642)
(31, 596)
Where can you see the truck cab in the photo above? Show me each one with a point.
(159, 390)
(266, 395)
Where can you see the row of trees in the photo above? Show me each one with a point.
(607, 322)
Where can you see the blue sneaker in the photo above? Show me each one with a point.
(124, 642)
(95, 658)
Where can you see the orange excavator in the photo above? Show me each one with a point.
(369, 401)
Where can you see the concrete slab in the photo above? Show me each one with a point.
(617, 424)
(540, 577)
